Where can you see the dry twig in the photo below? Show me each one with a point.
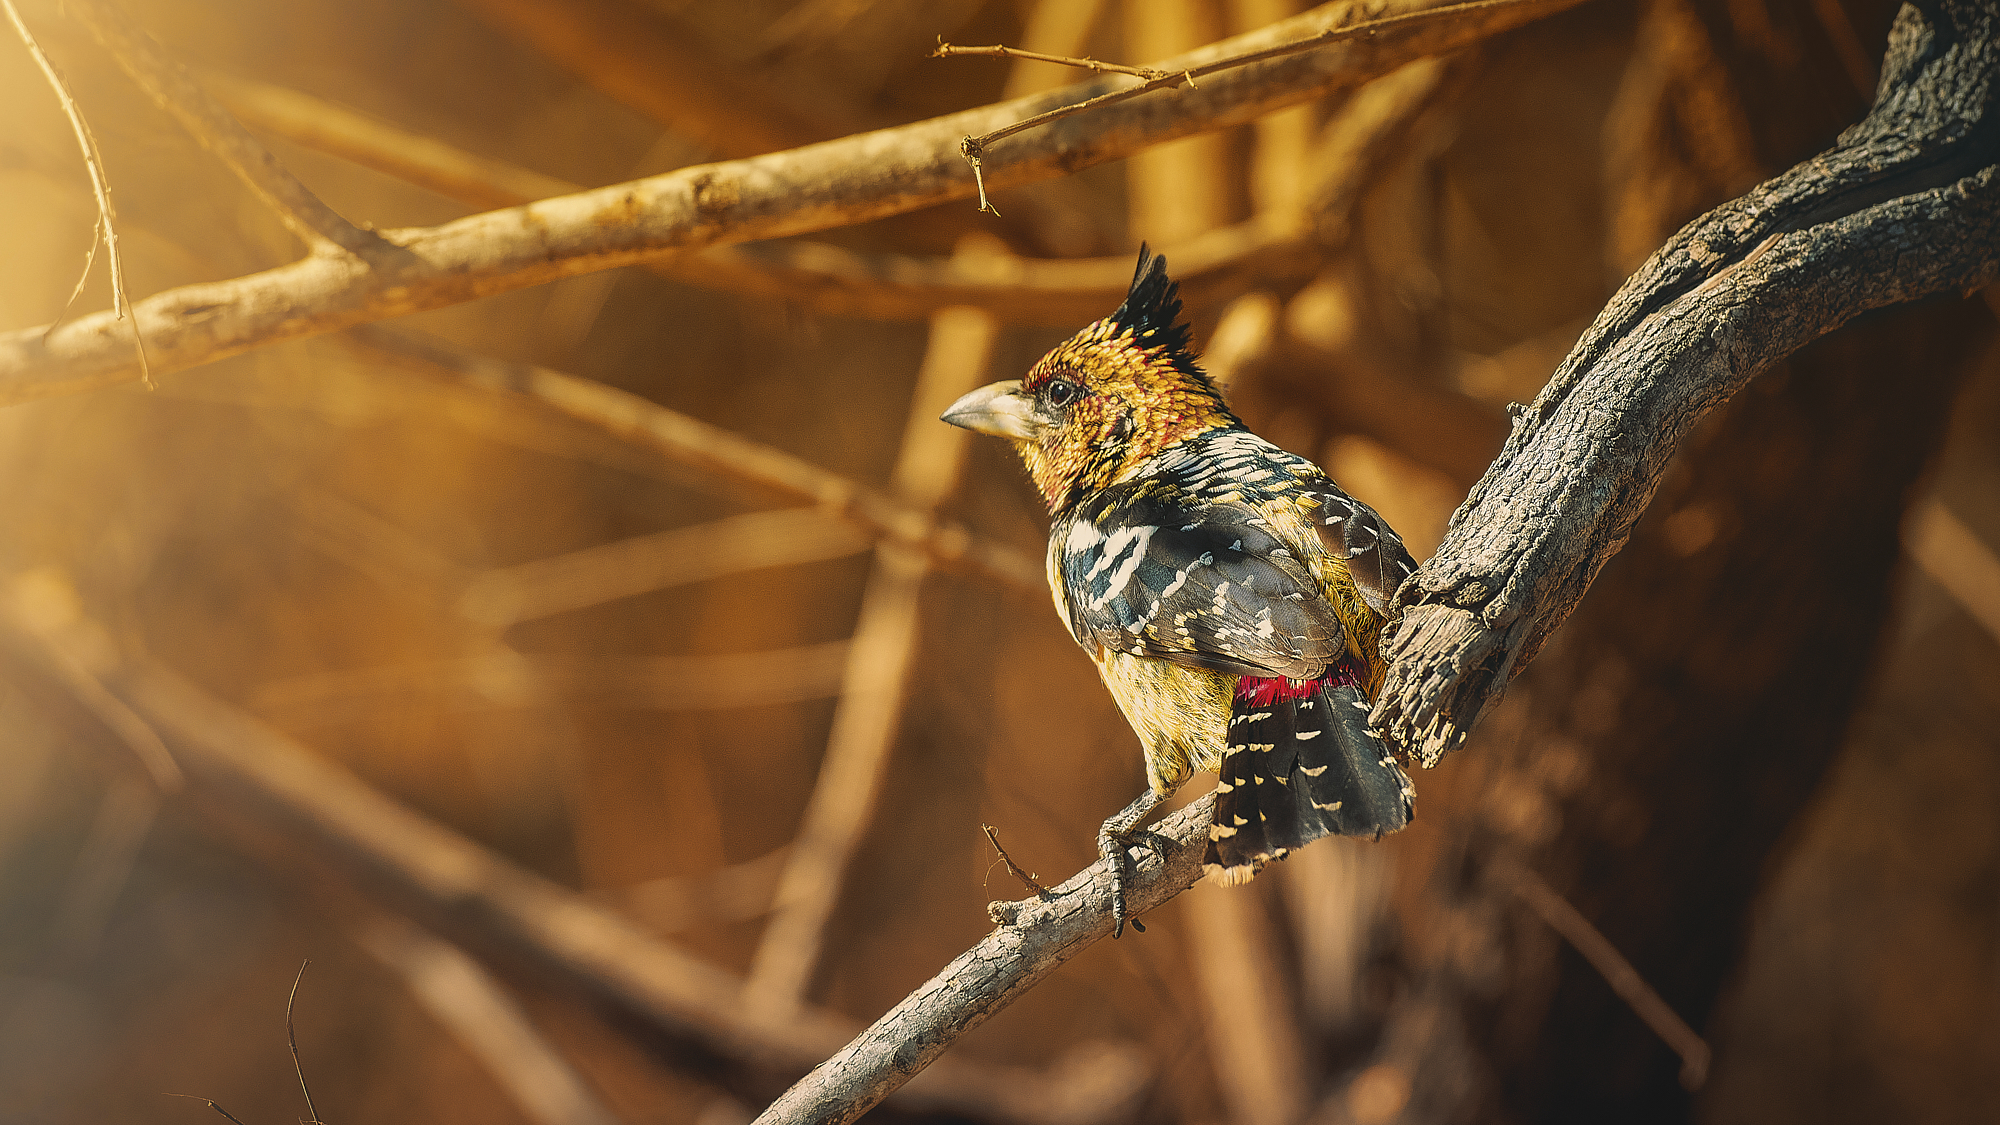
(649, 563)
(292, 1039)
(170, 85)
(1614, 968)
(1027, 880)
(717, 451)
(837, 183)
(107, 226)
(974, 147)
(1955, 558)
(510, 679)
(488, 1023)
(820, 276)
(877, 678)
(946, 50)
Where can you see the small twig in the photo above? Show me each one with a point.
(1956, 559)
(717, 451)
(973, 151)
(487, 1022)
(876, 681)
(292, 1037)
(170, 86)
(210, 1102)
(1614, 968)
(106, 229)
(505, 678)
(974, 147)
(649, 563)
(947, 50)
(1026, 879)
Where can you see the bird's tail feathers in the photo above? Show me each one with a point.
(1300, 763)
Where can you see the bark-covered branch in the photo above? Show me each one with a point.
(1906, 204)
(836, 183)
(1030, 940)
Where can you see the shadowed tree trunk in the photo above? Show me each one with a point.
(1687, 712)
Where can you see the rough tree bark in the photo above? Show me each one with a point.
(1907, 203)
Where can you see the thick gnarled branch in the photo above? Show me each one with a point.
(1905, 205)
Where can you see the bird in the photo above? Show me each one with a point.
(1230, 593)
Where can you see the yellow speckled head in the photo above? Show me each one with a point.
(1106, 399)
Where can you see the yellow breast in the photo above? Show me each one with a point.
(1181, 714)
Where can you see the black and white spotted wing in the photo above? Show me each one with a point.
(1355, 534)
(1200, 584)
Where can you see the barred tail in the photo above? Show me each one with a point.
(1300, 763)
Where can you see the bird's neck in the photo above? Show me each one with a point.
(1071, 472)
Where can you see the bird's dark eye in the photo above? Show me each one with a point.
(1061, 393)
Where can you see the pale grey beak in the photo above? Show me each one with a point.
(996, 409)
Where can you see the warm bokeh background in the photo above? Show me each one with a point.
(295, 529)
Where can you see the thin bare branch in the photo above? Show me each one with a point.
(169, 84)
(1614, 968)
(93, 160)
(993, 837)
(947, 50)
(210, 1102)
(661, 561)
(1955, 558)
(1159, 77)
(511, 679)
(728, 894)
(1060, 28)
(488, 1022)
(1032, 939)
(292, 1039)
(642, 59)
(715, 450)
(829, 279)
(877, 678)
(837, 183)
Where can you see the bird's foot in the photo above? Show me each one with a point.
(1113, 843)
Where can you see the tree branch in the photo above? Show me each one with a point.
(851, 180)
(716, 451)
(170, 85)
(1033, 937)
(1906, 204)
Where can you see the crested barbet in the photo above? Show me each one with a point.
(1229, 592)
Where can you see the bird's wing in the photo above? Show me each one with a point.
(1353, 533)
(1202, 584)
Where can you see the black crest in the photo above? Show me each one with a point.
(1152, 308)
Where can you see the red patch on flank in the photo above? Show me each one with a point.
(1259, 691)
